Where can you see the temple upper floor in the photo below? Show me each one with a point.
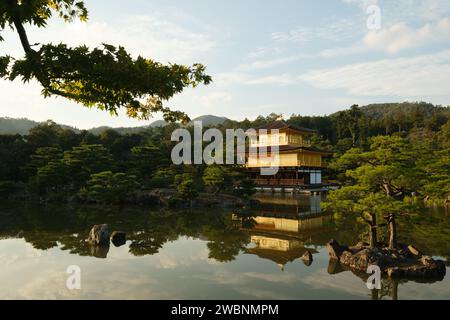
(280, 133)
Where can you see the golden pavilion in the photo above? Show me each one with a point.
(287, 147)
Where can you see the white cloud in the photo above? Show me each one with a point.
(264, 51)
(363, 4)
(397, 38)
(149, 35)
(270, 63)
(434, 9)
(422, 76)
(400, 36)
(241, 78)
(334, 30)
(278, 80)
(213, 99)
(405, 10)
(343, 51)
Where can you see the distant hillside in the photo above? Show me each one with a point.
(23, 126)
(207, 120)
(121, 130)
(16, 126)
(373, 111)
(210, 120)
(158, 124)
(379, 111)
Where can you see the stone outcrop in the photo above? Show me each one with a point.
(170, 198)
(405, 262)
(99, 235)
(307, 258)
(414, 251)
(118, 238)
(335, 249)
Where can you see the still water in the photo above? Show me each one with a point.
(210, 254)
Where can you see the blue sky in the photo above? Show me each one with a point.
(287, 56)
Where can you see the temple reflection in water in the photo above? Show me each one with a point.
(282, 226)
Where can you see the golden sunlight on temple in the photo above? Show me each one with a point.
(288, 147)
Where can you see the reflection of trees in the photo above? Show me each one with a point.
(225, 245)
(46, 227)
(389, 289)
(147, 232)
(389, 286)
(429, 232)
(225, 241)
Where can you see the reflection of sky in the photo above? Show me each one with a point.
(181, 270)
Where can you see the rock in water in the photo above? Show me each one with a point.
(414, 251)
(100, 252)
(335, 249)
(118, 238)
(99, 235)
(307, 258)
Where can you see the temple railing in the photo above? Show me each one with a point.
(279, 182)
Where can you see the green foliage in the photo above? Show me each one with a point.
(4, 63)
(51, 177)
(187, 187)
(145, 160)
(89, 158)
(50, 134)
(108, 187)
(7, 188)
(37, 12)
(14, 152)
(107, 77)
(413, 162)
(163, 178)
(437, 171)
(382, 178)
(216, 177)
(246, 188)
(45, 155)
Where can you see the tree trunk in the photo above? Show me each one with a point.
(19, 26)
(375, 296)
(373, 231)
(373, 237)
(395, 289)
(392, 232)
(387, 188)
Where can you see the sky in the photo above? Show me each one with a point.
(283, 56)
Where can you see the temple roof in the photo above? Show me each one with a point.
(287, 148)
(279, 257)
(283, 125)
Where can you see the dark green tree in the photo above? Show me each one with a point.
(108, 187)
(382, 181)
(187, 188)
(217, 177)
(85, 160)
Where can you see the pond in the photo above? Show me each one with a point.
(208, 254)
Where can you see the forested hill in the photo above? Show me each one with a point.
(375, 119)
(23, 126)
(380, 111)
(16, 126)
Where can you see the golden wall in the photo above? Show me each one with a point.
(293, 159)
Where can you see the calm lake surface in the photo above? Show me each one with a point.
(209, 254)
